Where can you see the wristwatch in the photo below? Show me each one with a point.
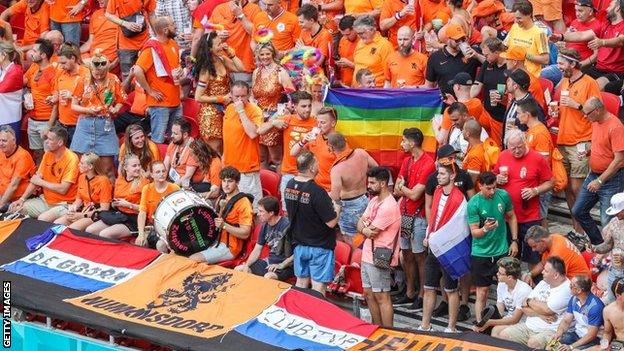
(580, 107)
(241, 16)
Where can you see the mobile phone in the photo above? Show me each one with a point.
(490, 219)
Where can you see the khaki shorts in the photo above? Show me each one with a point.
(37, 205)
(577, 167)
(35, 142)
(521, 334)
(551, 10)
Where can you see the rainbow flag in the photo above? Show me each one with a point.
(374, 119)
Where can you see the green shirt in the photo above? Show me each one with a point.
(493, 243)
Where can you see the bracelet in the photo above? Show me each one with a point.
(599, 181)
(536, 190)
(301, 144)
(397, 16)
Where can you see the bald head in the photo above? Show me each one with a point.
(405, 38)
(55, 37)
(405, 30)
(160, 24)
(472, 129)
(337, 141)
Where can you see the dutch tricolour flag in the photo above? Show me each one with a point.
(451, 243)
(11, 83)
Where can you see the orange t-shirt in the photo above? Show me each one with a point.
(361, 6)
(434, 9)
(295, 132)
(474, 161)
(322, 40)
(239, 150)
(389, 8)
(19, 164)
(139, 104)
(373, 56)
(91, 95)
(59, 11)
(67, 81)
(476, 110)
(346, 49)
(607, 139)
(535, 88)
(41, 86)
(129, 191)
(411, 69)
(210, 174)
(325, 159)
(96, 191)
(163, 84)
(153, 148)
(574, 262)
(285, 27)
(180, 157)
(241, 214)
(238, 38)
(36, 23)
(65, 169)
(150, 198)
(124, 8)
(573, 126)
(104, 34)
(538, 139)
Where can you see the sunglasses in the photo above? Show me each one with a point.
(590, 112)
(99, 63)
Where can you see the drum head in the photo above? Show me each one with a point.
(193, 230)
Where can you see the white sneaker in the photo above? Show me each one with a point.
(420, 328)
(449, 330)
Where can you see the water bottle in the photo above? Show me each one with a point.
(108, 124)
(29, 104)
(139, 19)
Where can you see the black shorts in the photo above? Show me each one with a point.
(260, 268)
(433, 273)
(483, 270)
(526, 253)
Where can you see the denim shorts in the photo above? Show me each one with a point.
(314, 262)
(161, 119)
(415, 243)
(352, 210)
(90, 136)
(544, 203)
(71, 30)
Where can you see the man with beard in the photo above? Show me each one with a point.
(526, 34)
(585, 20)
(608, 68)
(158, 72)
(178, 161)
(36, 20)
(40, 79)
(405, 67)
(17, 167)
(380, 223)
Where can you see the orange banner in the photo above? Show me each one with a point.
(7, 228)
(178, 294)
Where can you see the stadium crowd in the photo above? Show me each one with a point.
(109, 106)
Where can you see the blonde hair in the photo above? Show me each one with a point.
(98, 55)
(127, 157)
(9, 50)
(94, 160)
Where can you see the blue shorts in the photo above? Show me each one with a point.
(352, 210)
(314, 262)
(91, 137)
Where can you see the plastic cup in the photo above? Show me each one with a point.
(503, 170)
(501, 89)
(437, 23)
(565, 93)
(493, 92)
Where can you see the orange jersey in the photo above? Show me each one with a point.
(361, 6)
(538, 139)
(574, 127)
(68, 81)
(165, 85)
(150, 198)
(95, 191)
(91, 95)
(325, 159)
(474, 161)
(41, 84)
(19, 164)
(139, 104)
(476, 110)
(563, 248)
(239, 150)
(322, 40)
(210, 174)
(35, 23)
(129, 191)
(411, 69)
(294, 133)
(59, 11)
(65, 169)
(180, 157)
(434, 10)
(389, 8)
(346, 48)
(104, 34)
(241, 214)
(124, 8)
(373, 56)
(285, 27)
(153, 148)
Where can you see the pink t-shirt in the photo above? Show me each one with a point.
(385, 216)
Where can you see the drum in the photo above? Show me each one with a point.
(186, 221)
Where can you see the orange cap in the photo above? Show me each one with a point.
(454, 31)
(487, 8)
(517, 53)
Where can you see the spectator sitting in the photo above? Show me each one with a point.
(585, 312)
(510, 295)
(544, 307)
(612, 314)
(274, 227)
(178, 161)
(206, 178)
(17, 168)
(137, 143)
(235, 220)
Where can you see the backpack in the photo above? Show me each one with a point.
(491, 152)
(560, 176)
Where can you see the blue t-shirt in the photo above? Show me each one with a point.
(271, 236)
(586, 315)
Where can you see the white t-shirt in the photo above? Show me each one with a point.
(457, 141)
(556, 299)
(512, 299)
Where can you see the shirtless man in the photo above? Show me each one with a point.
(348, 183)
(613, 321)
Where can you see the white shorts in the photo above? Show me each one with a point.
(35, 142)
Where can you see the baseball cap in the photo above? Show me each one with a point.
(487, 8)
(517, 53)
(586, 3)
(617, 204)
(446, 151)
(461, 78)
(454, 31)
(520, 77)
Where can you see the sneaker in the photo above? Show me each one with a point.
(464, 313)
(449, 330)
(420, 328)
(441, 310)
(402, 300)
(416, 305)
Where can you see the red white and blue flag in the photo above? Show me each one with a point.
(11, 84)
(83, 263)
(301, 321)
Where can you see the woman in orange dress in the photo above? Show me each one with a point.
(215, 60)
(268, 82)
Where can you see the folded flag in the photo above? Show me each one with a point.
(35, 242)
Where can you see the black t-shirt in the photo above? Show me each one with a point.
(491, 75)
(309, 208)
(271, 236)
(462, 180)
(442, 67)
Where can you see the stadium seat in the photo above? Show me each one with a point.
(194, 126)
(270, 183)
(547, 84)
(611, 102)
(247, 248)
(162, 149)
(342, 253)
(190, 108)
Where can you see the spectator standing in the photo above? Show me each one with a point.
(103, 35)
(613, 235)
(17, 168)
(241, 148)
(283, 24)
(313, 34)
(380, 223)
(492, 75)
(584, 313)
(488, 213)
(364, 79)
(313, 221)
(11, 83)
(410, 186)
(346, 49)
(518, 85)
(66, 16)
(180, 13)
(458, 115)
(544, 307)
(585, 12)
(405, 67)
(515, 59)
(36, 20)
(372, 50)
(606, 160)
(359, 8)
(526, 34)
(179, 162)
(477, 160)
(158, 72)
(396, 14)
